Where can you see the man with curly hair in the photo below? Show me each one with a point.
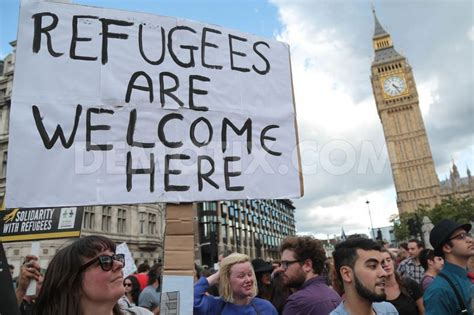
(302, 263)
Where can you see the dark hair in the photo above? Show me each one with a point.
(135, 288)
(402, 283)
(205, 273)
(154, 273)
(403, 245)
(62, 287)
(197, 270)
(425, 255)
(419, 243)
(144, 267)
(439, 250)
(345, 253)
(306, 247)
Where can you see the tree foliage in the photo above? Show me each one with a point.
(459, 210)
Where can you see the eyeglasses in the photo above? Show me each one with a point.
(286, 263)
(105, 262)
(127, 284)
(461, 236)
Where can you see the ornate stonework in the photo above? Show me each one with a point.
(396, 98)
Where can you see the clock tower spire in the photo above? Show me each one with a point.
(396, 98)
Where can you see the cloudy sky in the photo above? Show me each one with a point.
(344, 157)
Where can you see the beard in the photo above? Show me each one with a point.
(367, 294)
(296, 281)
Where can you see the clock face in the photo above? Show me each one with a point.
(394, 85)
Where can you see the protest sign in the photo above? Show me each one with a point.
(130, 266)
(40, 223)
(115, 107)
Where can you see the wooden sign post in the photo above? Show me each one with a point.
(178, 271)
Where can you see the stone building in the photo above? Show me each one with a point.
(457, 186)
(396, 98)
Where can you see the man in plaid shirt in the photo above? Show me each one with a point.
(411, 266)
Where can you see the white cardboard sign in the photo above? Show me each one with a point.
(130, 266)
(113, 107)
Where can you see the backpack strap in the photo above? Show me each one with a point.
(458, 295)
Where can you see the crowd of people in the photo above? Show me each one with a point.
(362, 277)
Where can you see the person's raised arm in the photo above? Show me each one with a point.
(203, 303)
(28, 271)
(214, 278)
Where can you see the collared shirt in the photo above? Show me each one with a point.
(313, 298)
(409, 268)
(382, 308)
(440, 299)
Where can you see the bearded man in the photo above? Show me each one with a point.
(301, 266)
(358, 264)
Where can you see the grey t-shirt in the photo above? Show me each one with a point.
(149, 298)
(381, 308)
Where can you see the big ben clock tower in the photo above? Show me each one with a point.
(396, 97)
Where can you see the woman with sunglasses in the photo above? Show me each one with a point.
(83, 278)
(237, 288)
(129, 301)
(132, 291)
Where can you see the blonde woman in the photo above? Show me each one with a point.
(237, 289)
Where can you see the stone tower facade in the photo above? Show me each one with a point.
(396, 97)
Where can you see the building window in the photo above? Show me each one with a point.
(151, 223)
(142, 222)
(224, 232)
(121, 221)
(106, 218)
(4, 164)
(89, 218)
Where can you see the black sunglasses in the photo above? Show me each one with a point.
(106, 262)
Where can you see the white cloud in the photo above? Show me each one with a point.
(428, 94)
(331, 52)
(352, 215)
(470, 33)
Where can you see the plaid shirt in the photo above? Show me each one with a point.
(409, 268)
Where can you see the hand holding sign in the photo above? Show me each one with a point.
(29, 271)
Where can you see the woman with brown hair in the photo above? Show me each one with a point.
(237, 288)
(132, 292)
(405, 294)
(83, 278)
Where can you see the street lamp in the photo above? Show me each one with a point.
(370, 216)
